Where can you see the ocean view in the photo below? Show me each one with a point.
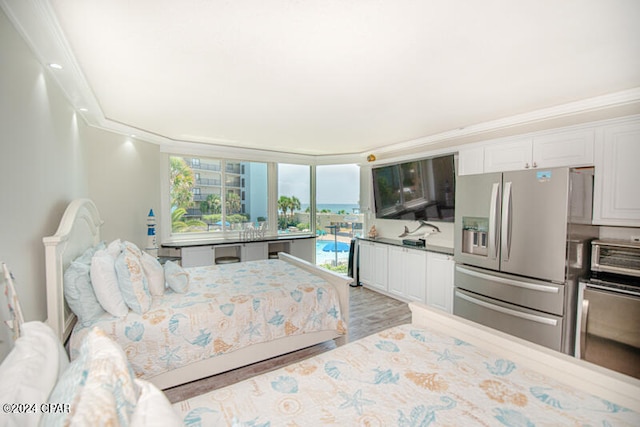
(333, 207)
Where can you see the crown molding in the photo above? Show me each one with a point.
(36, 22)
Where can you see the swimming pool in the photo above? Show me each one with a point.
(323, 257)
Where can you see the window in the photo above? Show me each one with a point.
(338, 218)
(294, 198)
(209, 200)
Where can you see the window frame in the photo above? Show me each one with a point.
(168, 236)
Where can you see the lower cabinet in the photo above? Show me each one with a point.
(254, 251)
(373, 265)
(440, 279)
(408, 274)
(197, 256)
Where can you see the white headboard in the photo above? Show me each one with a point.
(79, 230)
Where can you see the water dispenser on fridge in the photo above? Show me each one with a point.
(475, 235)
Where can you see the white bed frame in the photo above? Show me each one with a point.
(604, 383)
(79, 229)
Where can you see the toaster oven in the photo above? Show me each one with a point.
(615, 257)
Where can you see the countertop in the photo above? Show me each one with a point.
(230, 241)
(398, 242)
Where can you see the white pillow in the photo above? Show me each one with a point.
(114, 248)
(153, 408)
(105, 284)
(30, 371)
(132, 281)
(155, 274)
(99, 385)
(176, 277)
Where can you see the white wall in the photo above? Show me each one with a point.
(123, 182)
(42, 168)
(48, 157)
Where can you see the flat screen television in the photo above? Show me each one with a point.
(418, 189)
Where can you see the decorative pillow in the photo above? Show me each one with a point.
(132, 281)
(176, 277)
(105, 284)
(99, 386)
(78, 291)
(85, 258)
(30, 371)
(114, 248)
(153, 408)
(132, 247)
(155, 274)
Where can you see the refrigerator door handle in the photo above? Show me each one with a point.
(493, 220)
(511, 282)
(506, 221)
(508, 311)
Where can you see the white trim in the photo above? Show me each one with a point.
(36, 22)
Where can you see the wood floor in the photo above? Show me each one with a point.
(370, 312)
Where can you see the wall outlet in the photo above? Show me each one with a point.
(635, 238)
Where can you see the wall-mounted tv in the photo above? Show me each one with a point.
(418, 189)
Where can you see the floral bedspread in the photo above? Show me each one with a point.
(227, 307)
(404, 376)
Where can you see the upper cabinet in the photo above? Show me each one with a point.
(616, 198)
(470, 160)
(508, 156)
(569, 148)
(573, 148)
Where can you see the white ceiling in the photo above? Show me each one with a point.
(335, 76)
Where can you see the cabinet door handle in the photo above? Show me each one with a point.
(526, 165)
(535, 165)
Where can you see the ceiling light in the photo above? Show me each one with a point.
(83, 110)
(55, 66)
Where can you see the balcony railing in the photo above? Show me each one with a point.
(209, 181)
(232, 169)
(206, 166)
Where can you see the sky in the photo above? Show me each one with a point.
(335, 183)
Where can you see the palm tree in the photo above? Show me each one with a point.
(234, 204)
(295, 204)
(216, 203)
(182, 180)
(283, 204)
(180, 225)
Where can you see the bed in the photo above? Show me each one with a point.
(232, 315)
(438, 370)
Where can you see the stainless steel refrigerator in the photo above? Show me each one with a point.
(521, 244)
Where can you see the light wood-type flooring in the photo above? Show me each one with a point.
(370, 312)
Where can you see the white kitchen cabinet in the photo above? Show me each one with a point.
(254, 251)
(555, 149)
(407, 273)
(508, 155)
(471, 161)
(440, 281)
(569, 148)
(373, 265)
(197, 256)
(617, 178)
